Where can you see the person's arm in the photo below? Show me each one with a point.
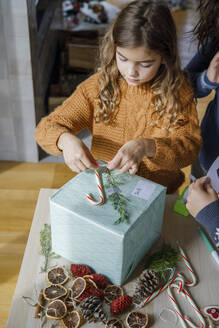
(203, 205)
(209, 218)
(179, 149)
(75, 114)
(202, 71)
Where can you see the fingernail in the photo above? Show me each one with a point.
(205, 179)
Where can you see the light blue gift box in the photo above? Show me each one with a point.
(86, 234)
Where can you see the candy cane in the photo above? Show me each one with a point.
(178, 283)
(189, 267)
(101, 193)
(157, 292)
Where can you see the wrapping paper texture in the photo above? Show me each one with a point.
(85, 234)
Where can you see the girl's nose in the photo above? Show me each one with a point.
(133, 72)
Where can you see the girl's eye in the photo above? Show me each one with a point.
(122, 59)
(145, 65)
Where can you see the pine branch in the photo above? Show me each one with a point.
(118, 200)
(162, 260)
(46, 246)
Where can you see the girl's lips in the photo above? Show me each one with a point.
(133, 80)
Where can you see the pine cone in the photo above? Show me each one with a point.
(80, 270)
(99, 280)
(91, 309)
(92, 291)
(100, 315)
(120, 304)
(146, 284)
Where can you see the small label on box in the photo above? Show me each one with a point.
(144, 189)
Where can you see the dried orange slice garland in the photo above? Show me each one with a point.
(54, 292)
(72, 320)
(56, 310)
(114, 323)
(57, 276)
(137, 319)
(112, 292)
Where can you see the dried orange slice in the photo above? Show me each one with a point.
(137, 319)
(65, 297)
(78, 286)
(54, 292)
(69, 304)
(56, 310)
(89, 281)
(72, 320)
(112, 292)
(57, 276)
(114, 323)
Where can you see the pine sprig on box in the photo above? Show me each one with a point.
(118, 200)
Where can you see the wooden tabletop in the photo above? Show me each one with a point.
(175, 227)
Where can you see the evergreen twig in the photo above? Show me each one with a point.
(162, 260)
(118, 200)
(46, 246)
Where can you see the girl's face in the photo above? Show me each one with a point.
(137, 65)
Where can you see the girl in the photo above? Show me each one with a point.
(139, 106)
(204, 72)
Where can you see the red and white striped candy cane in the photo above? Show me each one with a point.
(189, 283)
(189, 267)
(100, 189)
(178, 282)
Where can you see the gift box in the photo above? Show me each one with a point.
(87, 234)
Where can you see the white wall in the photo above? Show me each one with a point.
(17, 111)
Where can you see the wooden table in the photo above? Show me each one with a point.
(175, 227)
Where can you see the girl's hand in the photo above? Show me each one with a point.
(213, 69)
(200, 195)
(76, 154)
(129, 156)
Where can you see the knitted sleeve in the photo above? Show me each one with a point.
(209, 218)
(75, 114)
(181, 147)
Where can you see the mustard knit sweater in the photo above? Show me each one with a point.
(175, 149)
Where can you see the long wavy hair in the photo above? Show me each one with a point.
(141, 23)
(207, 27)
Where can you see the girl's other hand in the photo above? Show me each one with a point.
(76, 154)
(200, 195)
(213, 69)
(129, 156)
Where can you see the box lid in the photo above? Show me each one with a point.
(141, 193)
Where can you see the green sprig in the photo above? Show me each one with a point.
(46, 246)
(162, 260)
(118, 200)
